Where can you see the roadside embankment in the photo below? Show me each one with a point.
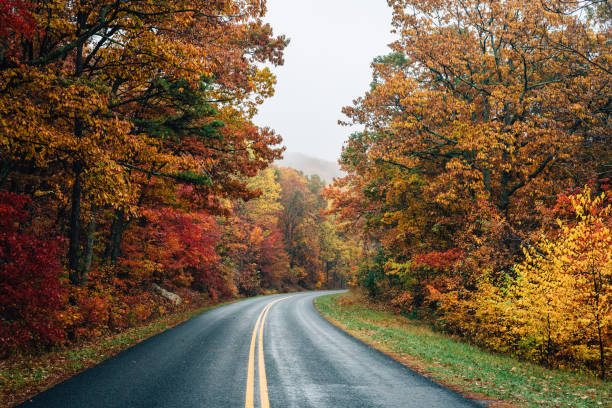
(22, 376)
(479, 374)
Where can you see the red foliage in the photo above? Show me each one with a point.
(273, 259)
(439, 260)
(16, 20)
(564, 207)
(170, 246)
(31, 291)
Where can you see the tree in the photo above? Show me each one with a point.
(300, 221)
(32, 290)
(481, 116)
(578, 264)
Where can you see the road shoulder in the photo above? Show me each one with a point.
(24, 376)
(492, 379)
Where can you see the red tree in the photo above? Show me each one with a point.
(31, 291)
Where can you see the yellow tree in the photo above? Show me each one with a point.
(563, 295)
(264, 209)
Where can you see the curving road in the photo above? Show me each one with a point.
(214, 360)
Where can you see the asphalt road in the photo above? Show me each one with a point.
(214, 361)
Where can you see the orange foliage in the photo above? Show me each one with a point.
(485, 112)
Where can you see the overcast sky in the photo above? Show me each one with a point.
(327, 65)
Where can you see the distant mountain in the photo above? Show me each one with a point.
(327, 170)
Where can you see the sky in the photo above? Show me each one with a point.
(327, 66)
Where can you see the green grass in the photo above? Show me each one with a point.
(23, 376)
(460, 365)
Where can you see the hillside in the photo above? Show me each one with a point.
(327, 170)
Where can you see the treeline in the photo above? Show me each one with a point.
(285, 239)
(480, 186)
(131, 170)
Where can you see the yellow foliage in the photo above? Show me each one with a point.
(557, 307)
(562, 294)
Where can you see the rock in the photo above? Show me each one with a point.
(172, 297)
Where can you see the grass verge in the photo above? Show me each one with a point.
(474, 372)
(22, 377)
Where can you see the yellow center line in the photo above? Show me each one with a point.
(248, 403)
(263, 384)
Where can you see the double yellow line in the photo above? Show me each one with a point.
(263, 383)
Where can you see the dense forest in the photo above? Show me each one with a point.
(133, 182)
(481, 184)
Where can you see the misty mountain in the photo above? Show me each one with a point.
(327, 170)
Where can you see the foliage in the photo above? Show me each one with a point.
(282, 239)
(577, 263)
(557, 307)
(483, 114)
(175, 248)
(32, 290)
(109, 95)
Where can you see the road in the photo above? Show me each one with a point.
(215, 360)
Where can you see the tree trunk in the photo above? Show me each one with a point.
(75, 227)
(602, 353)
(91, 230)
(75, 211)
(5, 170)
(109, 244)
(597, 283)
(113, 248)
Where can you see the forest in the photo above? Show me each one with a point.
(133, 182)
(480, 186)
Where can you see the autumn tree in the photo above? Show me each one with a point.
(470, 120)
(32, 290)
(92, 74)
(128, 125)
(300, 221)
(263, 212)
(578, 264)
(252, 245)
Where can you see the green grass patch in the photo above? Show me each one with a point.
(462, 366)
(24, 376)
